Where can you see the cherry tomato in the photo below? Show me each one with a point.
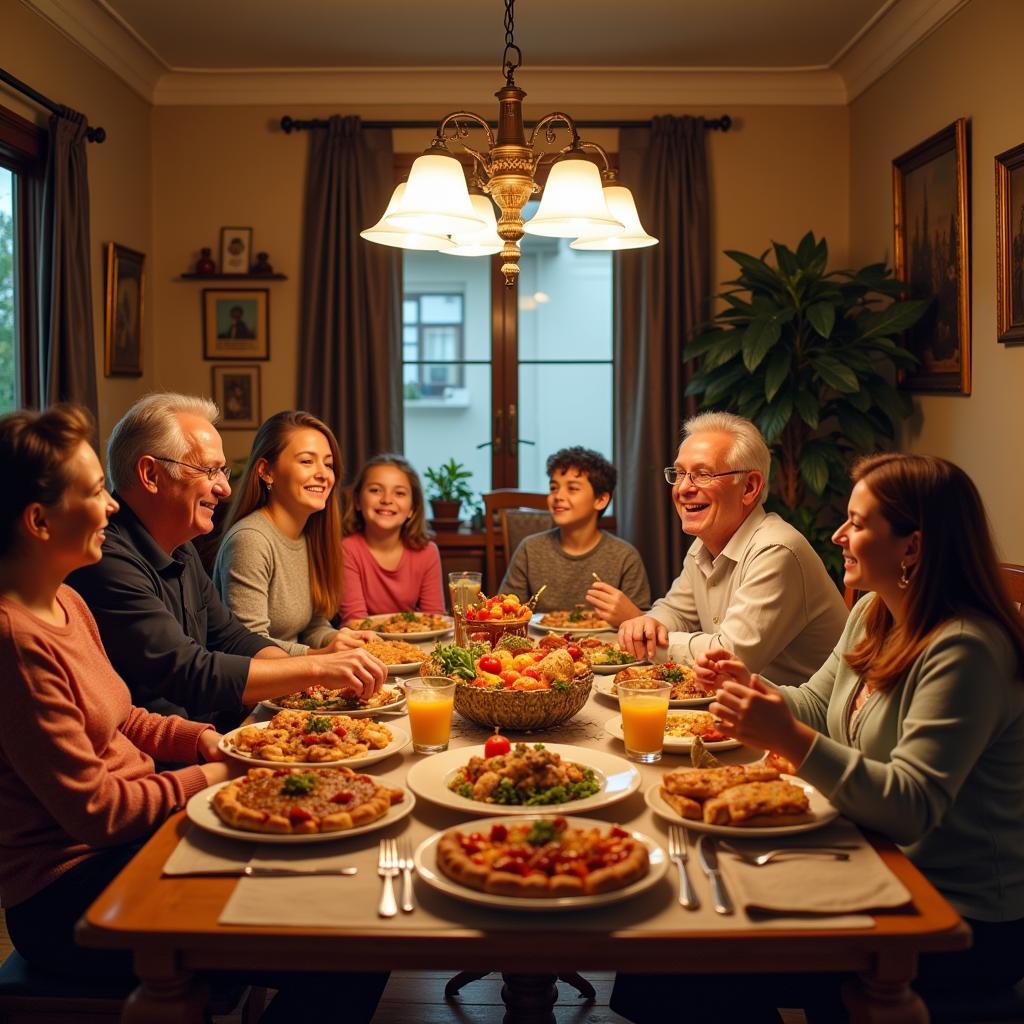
(471, 614)
(499, 833)
(533, 673)
(496, 745)
(346, 796)
(574, 652)
(298, 814)
(489, 663)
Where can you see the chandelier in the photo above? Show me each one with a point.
(437, 209)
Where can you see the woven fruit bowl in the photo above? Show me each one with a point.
(522, 710)
(494, 630)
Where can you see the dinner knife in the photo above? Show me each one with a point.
(258, 871)
(707, 854)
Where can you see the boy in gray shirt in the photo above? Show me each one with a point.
(577, 561)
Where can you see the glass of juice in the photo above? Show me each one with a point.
(463, 592)
(430, 700)
(644, 707)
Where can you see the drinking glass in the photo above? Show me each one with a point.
(644, 710)
(429, 701)
(463, 591)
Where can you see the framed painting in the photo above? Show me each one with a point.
(124, 292)
(236, 323)
(1010, 244)
(932, 256)
(235, 250)
(236, 389)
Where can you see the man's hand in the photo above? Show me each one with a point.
(346, 640)
(612, 605)
(642, 636)
(207, 746)
(353, 669)
(714, 667)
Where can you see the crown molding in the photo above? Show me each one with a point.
(90, 27)
(890, 38)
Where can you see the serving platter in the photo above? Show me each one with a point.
(400, 740)
(421, 634)
(200, 812)
(425, 859)
(429, 779)
(356, 712)
(535, 623)
(672, 744)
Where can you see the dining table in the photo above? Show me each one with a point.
(179, 924)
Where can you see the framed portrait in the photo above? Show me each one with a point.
(235, 250)
(236, 389)
(1010, 244)
(932, 256)
(122, 335)
(236, 323)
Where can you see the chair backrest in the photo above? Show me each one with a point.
(496, 529)
(1013, 581)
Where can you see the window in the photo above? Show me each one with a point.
(432, 327)
(8, 301)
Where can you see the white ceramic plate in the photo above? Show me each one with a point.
(429, 779)
(400, 740)
(535, 623)
(352, 712)
(425, 859)
(604, 687)
(423, 634)
(823, 812)
(200, 812)
(673, 744)
(406, 668)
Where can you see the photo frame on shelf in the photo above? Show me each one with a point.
(235, 250)
(1010, 244)
(236, 323)
(236, 389)
(932, 256)
(124, 294)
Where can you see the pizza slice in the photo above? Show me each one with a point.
(759, 803)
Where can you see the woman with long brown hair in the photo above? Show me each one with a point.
(279, 567)
(914, 727)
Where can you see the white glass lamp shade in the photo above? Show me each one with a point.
(478, 243)
(573, 203)
(436, 200)
(386, 233)
(620, 203)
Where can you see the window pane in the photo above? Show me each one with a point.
(8, 368)
(410, 311)
(441, 343)
(432, 273)
(441, 309)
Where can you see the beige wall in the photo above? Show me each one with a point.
(970, 67)
(120, 189)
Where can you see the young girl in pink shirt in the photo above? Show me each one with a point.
(390, 565)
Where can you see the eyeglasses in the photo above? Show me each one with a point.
(700, 478)
(209, 471)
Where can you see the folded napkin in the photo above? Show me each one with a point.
(202, 853)
(813, 885)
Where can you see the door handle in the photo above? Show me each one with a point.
(514, 440)
(497, 441)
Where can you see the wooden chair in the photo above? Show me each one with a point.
(496, 504)
(1013, 581)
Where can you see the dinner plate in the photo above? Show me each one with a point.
(573, 630)
(673, 744)
(604, 687)
(823, 812)
(425, 859)
(200, 812)
(429, 779)
(405, 668)
(423, 634)
(400, 740)
(396, 705)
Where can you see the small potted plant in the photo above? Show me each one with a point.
(447, 491)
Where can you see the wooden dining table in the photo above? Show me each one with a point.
(173, 925)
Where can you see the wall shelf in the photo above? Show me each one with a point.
(232, 277)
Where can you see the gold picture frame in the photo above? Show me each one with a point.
(1010, 244)
(236, 323)
(932, 255)
(236, 389)
(124, 297)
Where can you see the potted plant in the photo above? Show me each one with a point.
(447, 491)
(810, 356)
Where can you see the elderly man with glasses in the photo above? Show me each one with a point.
(750, 582)
(165, 629)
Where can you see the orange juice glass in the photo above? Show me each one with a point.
(644, 710)
(430, 700)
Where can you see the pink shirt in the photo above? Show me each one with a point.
(76, 759)
(370, 589)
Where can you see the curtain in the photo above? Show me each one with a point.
(67, 368)
(661, 294)
(350, 353)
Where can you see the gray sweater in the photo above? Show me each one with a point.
(541, 560)
(263, 577)
(935, 762)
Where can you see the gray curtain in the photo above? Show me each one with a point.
(661, 294)
(350, 352)
(68, 359)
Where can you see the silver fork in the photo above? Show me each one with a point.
(405, 865)
(387, 868)
(679, 854)
(760, 859)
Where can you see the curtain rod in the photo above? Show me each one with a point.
(92, 134)
(290, 124)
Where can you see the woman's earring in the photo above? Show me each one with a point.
(266, 483)
(904, 581)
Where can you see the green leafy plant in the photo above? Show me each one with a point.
(810, 356)
(448, 482)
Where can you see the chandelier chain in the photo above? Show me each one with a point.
(510, 63)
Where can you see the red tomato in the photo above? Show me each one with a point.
(344, 797)
(297, 814)
(496, 745)
(471, 614)
(489, 663)
(509, 676)
(574, 652)
(533, 673)
(499, 833)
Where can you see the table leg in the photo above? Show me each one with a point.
(884, 995)
(529, 998)
(177, 999)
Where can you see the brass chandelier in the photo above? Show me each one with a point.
(437, 210)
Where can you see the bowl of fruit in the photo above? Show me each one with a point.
(491, 618)
(516, 683)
